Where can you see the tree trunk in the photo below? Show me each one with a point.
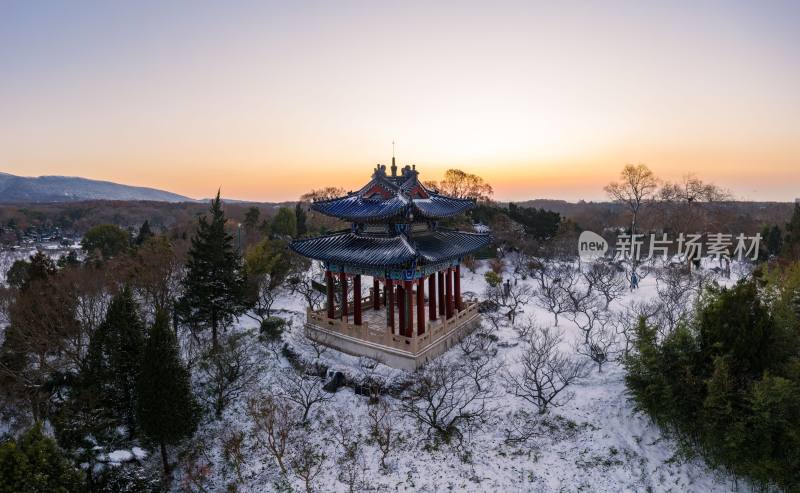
(214, 343)
(164, 458)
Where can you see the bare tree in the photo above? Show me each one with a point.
(371, 383)
(601, 345)
(577, 296)
(306, 459)
(491, 313)
(607, 280)
(521, 426)
(590, 317)
(457, 183)
(637, 186)
(545, 372)
(305, 284)
(383, 428)
(323, 194)
(445, 398)
(525, 327)
(274, 425)
(316, 346)
(350, 457)
(263, 294)
(304, 390)
(691, 189)
(680, 203)
(233, 451)
(628, 319)
(230, 371)
(154, 271)
(549, 294)
(516, 297)
(674, 286)
(479, 350)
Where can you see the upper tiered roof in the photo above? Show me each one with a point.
(397, 197)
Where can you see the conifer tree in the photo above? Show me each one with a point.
(166, 407)
(114, 358)
(214, 287)
(145, 232)
(792, 242)
(300, 219)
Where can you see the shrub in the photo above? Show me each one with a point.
(493, 279)
(272, 328)
(729, 382)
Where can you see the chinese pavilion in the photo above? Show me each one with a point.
(394, 238)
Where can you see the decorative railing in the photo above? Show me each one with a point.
(434, 330)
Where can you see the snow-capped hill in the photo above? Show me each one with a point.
(17, 189)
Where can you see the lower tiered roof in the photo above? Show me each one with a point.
(391, 251)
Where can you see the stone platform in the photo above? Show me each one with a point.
(375, 340)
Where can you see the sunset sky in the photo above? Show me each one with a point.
(268, 100)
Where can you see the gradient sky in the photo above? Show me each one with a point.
(268, 100)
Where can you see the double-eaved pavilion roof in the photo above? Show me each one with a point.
(394, 229)
(387, 197)
(391, 251)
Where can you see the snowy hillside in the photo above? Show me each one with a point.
(595, 442)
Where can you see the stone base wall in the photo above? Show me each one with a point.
(392, 355)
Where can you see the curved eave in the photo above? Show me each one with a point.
(379, 251)
(346, 248)
(445, 245)
(440, 206)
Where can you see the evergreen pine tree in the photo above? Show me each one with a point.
(792, 242)
(144, 233)
(114, 358)
(774, 240)
(214, 287)
(166, 407)
(300, 219)
(34, 464)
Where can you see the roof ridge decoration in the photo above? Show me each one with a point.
(384, 198)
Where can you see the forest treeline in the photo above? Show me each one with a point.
(127, 346)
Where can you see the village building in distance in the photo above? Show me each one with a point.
(414, 310)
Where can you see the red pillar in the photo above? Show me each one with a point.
(376, 294)
(343, 281)
(389, 287)
(401, 310)
(432, 296)
(442, 303)
(421, 306)
(448, 276)
(457, 287)
(329, 289)
(357, 299)
(409, 289)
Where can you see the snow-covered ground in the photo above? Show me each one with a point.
(599, 444)
(51, 249)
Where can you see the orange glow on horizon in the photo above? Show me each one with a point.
(268, 101)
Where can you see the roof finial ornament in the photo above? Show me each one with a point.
(394, 166)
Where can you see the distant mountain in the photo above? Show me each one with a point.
(19, 189)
